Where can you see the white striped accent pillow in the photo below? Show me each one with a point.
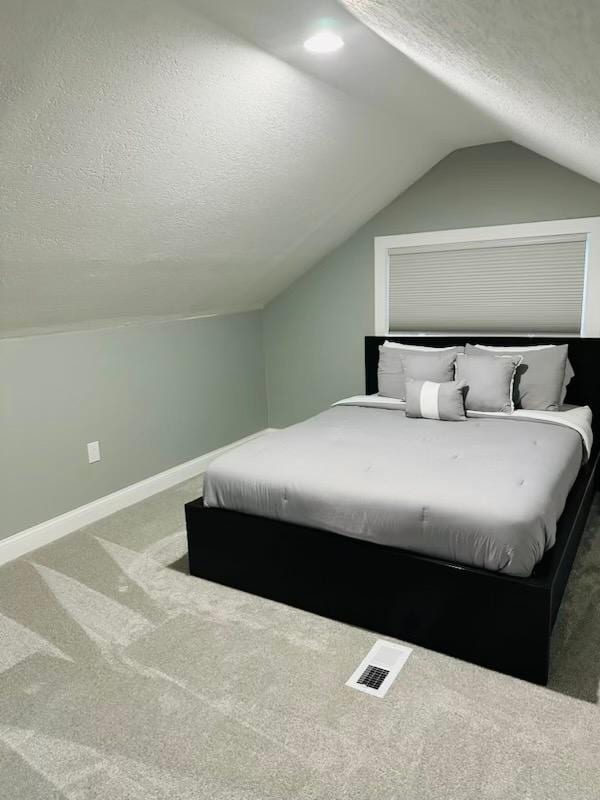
(435, 400)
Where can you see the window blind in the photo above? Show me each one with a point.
(512, 285)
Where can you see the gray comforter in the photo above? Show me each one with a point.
(485, 492)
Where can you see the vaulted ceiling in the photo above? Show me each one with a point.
(532, 65)
(189, 157)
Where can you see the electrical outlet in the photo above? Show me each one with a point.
(93, 450)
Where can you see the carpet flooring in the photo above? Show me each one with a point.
(123, 678)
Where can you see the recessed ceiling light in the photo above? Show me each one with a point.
(324, 42)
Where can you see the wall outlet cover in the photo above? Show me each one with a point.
(93, 450)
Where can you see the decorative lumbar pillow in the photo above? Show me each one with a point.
(396, 363)
(435, 400)
(541, 375)
(489, 381)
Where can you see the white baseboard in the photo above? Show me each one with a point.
(39, 535)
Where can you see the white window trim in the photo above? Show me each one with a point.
(588, 226)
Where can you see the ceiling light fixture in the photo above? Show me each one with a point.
(324, 42)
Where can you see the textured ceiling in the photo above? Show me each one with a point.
(157, 161)
(534, 65)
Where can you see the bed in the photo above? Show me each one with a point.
(469, 557)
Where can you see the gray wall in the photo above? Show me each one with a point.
(154, 395)
(313, 332)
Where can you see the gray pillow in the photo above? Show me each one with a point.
(435, 400)
(430, 365)
(489, 381)
(436, 367)
(569, 375)
(540, 376)
(390, 373)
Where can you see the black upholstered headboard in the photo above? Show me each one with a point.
(584, 354)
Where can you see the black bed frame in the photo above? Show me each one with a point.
(495, 620)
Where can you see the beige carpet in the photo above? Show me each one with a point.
(122, 678)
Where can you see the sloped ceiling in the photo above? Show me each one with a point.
(183, 158)
(534, 65)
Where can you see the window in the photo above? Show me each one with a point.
(529, 278)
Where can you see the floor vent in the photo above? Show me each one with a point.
(373, 677)
(378, 670)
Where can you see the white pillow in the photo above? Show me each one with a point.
(398, 346)
(569, 371)
(514, 349)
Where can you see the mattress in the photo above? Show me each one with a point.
(486, 492)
